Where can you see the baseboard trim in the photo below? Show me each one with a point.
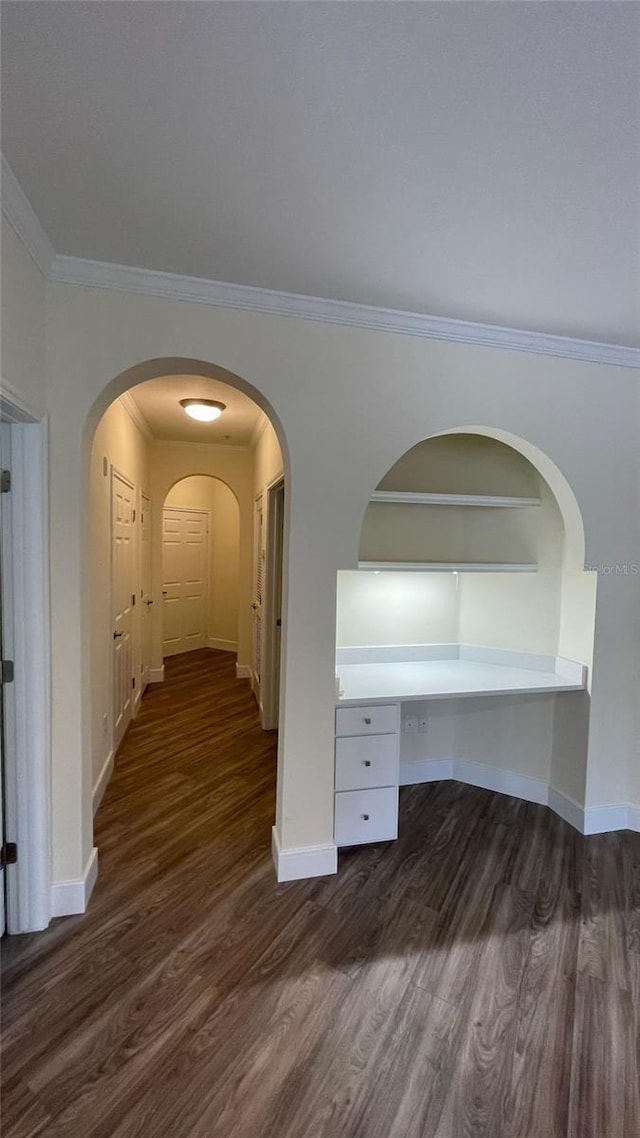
(503, 781)
(305, 861)
(243, 671)
(68, 898)
(222, 645)
(475, 774)
(426, 770)
(567, 808)
(634, 817)
(589, 820)
(102, 781)
(156, 675)
(606, 819)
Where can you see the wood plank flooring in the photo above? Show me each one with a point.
(478, 978)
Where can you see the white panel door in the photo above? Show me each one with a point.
(145, 589)
(184, 579)
(122, 601)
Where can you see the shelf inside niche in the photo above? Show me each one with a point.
(417, 498)
(447, 567)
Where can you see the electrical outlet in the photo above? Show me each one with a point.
(411, 725)
(423, 724)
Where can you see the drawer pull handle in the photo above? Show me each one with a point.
(367, 720)
(367, 762)
(365, 817)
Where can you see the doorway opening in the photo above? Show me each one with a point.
(171, 545)
(200, 566)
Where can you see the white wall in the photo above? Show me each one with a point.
(519, 611)
(396, 608)
(119, 442)
(514, 733)
(328, 387)
(22, 371)
(205, 493)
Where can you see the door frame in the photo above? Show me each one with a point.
(273, 584)
(117, 473)
(257, 607)
(145, 504)
(207, 560)
(28, 698)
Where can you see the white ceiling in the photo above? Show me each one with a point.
(472, 160)
(158, 401)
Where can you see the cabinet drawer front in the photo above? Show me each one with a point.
(363, 761)
(366, 816)
(375, 720)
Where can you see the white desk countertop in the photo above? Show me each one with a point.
(392, 680)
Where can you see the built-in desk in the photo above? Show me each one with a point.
(371, 685)
(448, 671)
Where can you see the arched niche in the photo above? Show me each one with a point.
(474, 536)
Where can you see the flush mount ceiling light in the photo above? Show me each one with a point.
(204, 410)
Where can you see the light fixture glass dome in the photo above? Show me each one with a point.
(204, 410)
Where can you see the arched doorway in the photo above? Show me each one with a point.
(140, 439)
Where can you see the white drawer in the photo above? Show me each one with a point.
(363, 761)
(366, 816)
(379, 719)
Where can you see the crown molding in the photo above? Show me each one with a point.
(18, 211)
(246, 298)
(136, 416)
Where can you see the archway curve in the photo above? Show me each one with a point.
(201, 474)
(177, 365)
(575, 543)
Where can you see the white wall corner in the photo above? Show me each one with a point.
(136, 416)
(243, 671)
(21, 217)
(156, 675)
(102, 781)
(567, 808)
(259, 427)
(606, 819)
(68, 898)
(305, 861)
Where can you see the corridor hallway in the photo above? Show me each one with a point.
(480, 976)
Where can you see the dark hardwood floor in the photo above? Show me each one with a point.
(479, 977)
